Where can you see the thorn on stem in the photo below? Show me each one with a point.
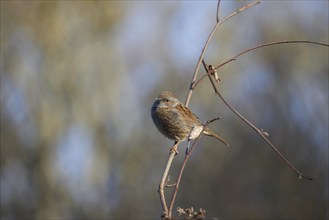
(171, 185)
(264, 132)
(212, 120)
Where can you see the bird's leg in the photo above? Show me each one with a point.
(174, 148)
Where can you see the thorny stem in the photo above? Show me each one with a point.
(167, 214)
(266, 45)
(187, 156)
(259, 131)
(163, 184)
(218, 23)
(217, 14)
(254, 48)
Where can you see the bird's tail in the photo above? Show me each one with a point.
(209, 132)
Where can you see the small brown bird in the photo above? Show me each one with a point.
(175, 121)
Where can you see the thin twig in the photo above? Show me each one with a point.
(217, 14)
(218, 23)
(254, 48)
(163, 183)
(188, 97)
(187, 156)
(269, 44)
(239, 11)
(259, 131)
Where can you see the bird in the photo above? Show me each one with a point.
(176, 121)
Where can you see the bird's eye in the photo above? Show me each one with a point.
(166, 100)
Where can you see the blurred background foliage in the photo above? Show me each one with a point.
(78, 79)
